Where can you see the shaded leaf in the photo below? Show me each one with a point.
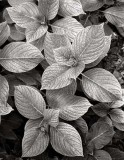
(70, 8)
(119, 126)
(101, 85)
(117, 115)
(20, 57)
(105, 119)
(29, 102)
(66, 140)
(102, 155)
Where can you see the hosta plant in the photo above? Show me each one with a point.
(58, 97)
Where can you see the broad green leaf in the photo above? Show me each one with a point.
(89, 43)
(68, 26)
(117, 104)
(115, 153)
(101, 109)
(71, 107)
(91, 5)
(24, 14)
(103, 54)
(35, 31)
(117, 115)
(115, 15)
(52, 41)
(15, 34)
(101, 85)
(34, 142)
(20, 29)
(102, 155)
(56, 76)
(17, 2)
(20, 57)
(70, 8)
(33, 123)
(100, 134)
(119, 126)
(29, 102)
(4, 32)
(51, 117)
(48, 8)
(66, 140)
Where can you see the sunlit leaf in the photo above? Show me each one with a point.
(117, 115)
(17, 2)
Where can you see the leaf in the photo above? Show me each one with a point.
(101, 109)
(71, 107)
(5, 109)
(102, 155)
(55, 76)
(100, 134)
(7, 17)
(33, 123)
(68, 26)
(115, 15)
(66, 140)
(25, 14)
(34, 142)
(101, 85)
(35, 31)
(17, 2)
(52, 41)
(119, 126)
(29, 102)
(70, 8)
(91, 5)
(105, 119)
(115, 153)
(20, 57)
(117, 115)
(48, 8)
(4, 32)
(89, 43)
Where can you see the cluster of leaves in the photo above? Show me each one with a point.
(51, 81)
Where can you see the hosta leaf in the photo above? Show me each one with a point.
(20, 57)
(101, 109)
(115, 153)
(66, 140)
(115, 15)
(91, 5)
(89, 43)
(101, 85)
(34, 142)
(5, 109)
(52, 41)
(55, 76)
(33, 123)
(100, 134)
(24, 14)
(4, 32)
(68, 26)
(6, 16)
(102, 155)
(105, 119)
(48, 8)
(117, 104)
(29, 102)
(70, 8)
(71, 107)
(35, 31)
(17, 2)
(51, 117)
(119, 126)
(117, 115)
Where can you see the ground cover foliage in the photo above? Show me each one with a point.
(61, 80)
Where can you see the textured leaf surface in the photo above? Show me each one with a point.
(4, 32)
(17, 2)
(117, 115)
(20, 57)
(68, 26)
(66, 140)
(24, 14)
(70, 8)
(101, 85)
(115, 153)
(52, 41)
(34, 142)
(100, 134)
(115, 15)
(33, 123)
(119, 126)
(102, 155)
(89, 43)
(29, 102)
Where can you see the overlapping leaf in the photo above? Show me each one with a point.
(20, 57)
(66, 140)
(102, 155)
(117, 115)
(101, 85)
(29, 102)
(16, 2)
